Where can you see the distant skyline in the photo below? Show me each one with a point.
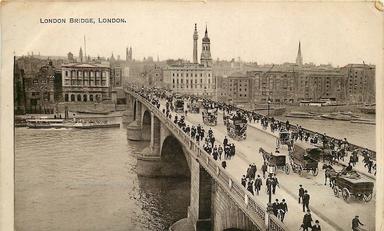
(330, 33)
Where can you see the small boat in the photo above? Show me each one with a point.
(301, 115)
(336, 116)
(364, 121)
(45, 123)
(89, 125)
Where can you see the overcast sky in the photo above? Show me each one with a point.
(337, 33)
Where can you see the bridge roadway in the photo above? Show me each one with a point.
(332, 212)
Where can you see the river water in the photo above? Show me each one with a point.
(86, 180)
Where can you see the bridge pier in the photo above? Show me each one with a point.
(128, 114)
(134, 129)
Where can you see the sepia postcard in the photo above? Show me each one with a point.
(191, 115)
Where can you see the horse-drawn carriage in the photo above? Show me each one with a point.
(236, 126)
(178, 103)
(357, 187)
(276, 160)
(304, 159)
(284, 138)
(209, 116)
(194, 106)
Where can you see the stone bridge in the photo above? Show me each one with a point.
(217, 202)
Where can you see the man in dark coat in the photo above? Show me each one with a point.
(307, 221)
(275, 183)
(244, 181)
(356, 223)
(250, 187)
(301, 193)
(316, 226)
(275, 207)
(283, 207)
(264, 169)
(258, 184)
(306, 198)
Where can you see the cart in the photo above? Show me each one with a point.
(279, 161)
(284, 138)
(210, 117)
(359, 188)
(302, 159)
(236, 128)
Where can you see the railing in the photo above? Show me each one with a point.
(244, 199)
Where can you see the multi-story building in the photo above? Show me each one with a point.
(239, 88)
(85, 82)
(359, 82)
(193, 78)
(40, 90)
(277, 86)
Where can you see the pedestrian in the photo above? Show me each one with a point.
(275, 207)
(244, 181)
(307, 221)
(306, 198)
(301, 193)
(283, 209)
(258, 184)
(220, 151)
(225, 141)
(275, 183)
(316, 226)
(264, 169)
(356, 223)
(249, 170)
(250, 186)
(224, 164)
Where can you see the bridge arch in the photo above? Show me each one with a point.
(174, 158)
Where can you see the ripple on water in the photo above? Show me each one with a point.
(86, 180)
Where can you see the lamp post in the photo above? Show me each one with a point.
(269, 185)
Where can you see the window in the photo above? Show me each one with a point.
(201, 81)
(66, 97)
(91, 98)
(78, 97)
(66, 73)
(72, 98)
(173, 81)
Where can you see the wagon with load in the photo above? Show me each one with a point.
(357, 187)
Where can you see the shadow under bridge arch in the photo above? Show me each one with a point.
(173, 158)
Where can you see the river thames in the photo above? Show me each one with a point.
(86, 180)
(68, 179)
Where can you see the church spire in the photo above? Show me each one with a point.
(206, 59)
(299, 58)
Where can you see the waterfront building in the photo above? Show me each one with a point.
(193, 78)
(239, 89)
(84, 82)
(277, 86)
(359, 83)
(40, 90)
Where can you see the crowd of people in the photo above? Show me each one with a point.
(251, 181)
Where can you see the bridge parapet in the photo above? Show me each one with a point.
(255, 211)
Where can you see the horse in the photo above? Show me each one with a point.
(331, 174)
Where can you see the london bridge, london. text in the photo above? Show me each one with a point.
(82, 20)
